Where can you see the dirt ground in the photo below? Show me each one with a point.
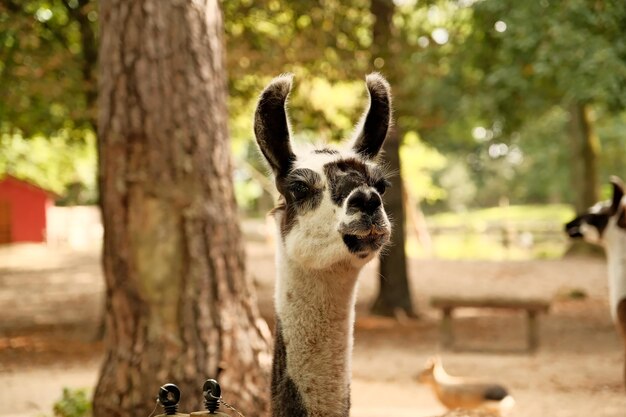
(51, 299)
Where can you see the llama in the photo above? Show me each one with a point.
(330, 223)
(605, 224)
(465, 393)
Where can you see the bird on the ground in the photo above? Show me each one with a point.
(456, 392)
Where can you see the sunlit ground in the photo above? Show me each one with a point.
(51, 301)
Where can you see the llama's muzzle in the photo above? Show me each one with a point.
(573, 228)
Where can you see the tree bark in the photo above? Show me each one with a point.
(180, 308)
(394, 295)
(585, 154)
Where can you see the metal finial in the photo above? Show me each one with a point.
(169, 395)
(212, 395)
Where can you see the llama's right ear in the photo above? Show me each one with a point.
(618, 194)
(271, 126)
(374, 125)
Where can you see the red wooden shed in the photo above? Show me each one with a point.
(23, 208)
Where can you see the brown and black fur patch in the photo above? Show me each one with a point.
(286, 399)
(599, 220)
(347, 174)
(621, 322)
(288, 217)
(301, 191)
(621, 318)
(326, 151)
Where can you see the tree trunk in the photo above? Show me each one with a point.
(585, 154)
(394, 295)
(179, 307)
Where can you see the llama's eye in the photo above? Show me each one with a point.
(381, 186)
(299, 191)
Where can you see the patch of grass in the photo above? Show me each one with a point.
(478, 219)
(73, 403)
(514, 233)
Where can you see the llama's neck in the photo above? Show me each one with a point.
(313, 343)
(616, 257)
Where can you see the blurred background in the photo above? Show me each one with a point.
(510, 115)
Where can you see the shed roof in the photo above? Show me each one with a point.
(29, 184)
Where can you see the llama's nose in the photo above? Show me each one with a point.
(366, 202)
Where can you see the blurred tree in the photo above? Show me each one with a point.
(323, 42)
(179, 306)
(455, 71)
(48, 55)
(394, 295)
(527, 57)
(329, 38)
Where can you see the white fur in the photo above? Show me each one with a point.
(315, 242)
(307, 158)
(315, 296)
(615, 243)
(317, 316)
(591, 234)
(317, 273)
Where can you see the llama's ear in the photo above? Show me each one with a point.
(374, 125)
(618, 194)
(271, 126)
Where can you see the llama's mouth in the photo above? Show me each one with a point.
(366, 241)
(573, 230)
(575, 233)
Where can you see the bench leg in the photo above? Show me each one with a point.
(533, 331)
(447, 338)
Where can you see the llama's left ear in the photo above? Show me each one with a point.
(271, 126)
(618, 194)
(374, 125)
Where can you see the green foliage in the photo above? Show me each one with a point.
(513, 232)
(460, 191)
(73, 403)
(611, 128)
(47, 94)
(511, 69)
(267, 37)
(549, 52)
(484, 86)
(46, 65)
(419, 161)
(556, 214)
(58, 163)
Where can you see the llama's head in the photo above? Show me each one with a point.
(330, 211)
(592, 225)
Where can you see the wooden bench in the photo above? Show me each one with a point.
(532, 306)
